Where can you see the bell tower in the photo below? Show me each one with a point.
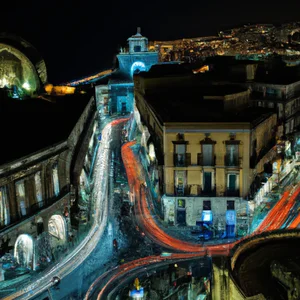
(132, 60)
(136, 58)
(137, 42)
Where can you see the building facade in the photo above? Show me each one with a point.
(205, 166)
(283, 98)
(38, 191)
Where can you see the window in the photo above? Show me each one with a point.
(271, 91)
(20, 196)
(231, 184)
(55, 179)
(206, 157)
(207, 177)
(230, 205)
(180, 155)
(206, 205)
(123, 107)
(181, 203)
(232, 154)
(292, 124)
(38, 188)
(207, 152)
(180, 178)
(180, 148)
(137, 48)
(4, 207)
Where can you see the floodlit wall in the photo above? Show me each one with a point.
(16, 69)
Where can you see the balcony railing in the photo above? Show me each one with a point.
(209, 193)
(182, 160)
(181, 191)
(186, 191)
(231, 161)
(35, 208)
(204, 161)
(232, 193)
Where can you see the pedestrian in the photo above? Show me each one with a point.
(115, 244)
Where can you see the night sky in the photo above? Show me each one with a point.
(79, 40)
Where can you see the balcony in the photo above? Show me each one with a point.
(231, 161)
(232, 193)
(204, 161)
(209, 193)
(182, 160)
(186, 191)
(181, 191)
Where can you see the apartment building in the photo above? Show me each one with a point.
(204, 138)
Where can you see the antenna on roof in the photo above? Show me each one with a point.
(139, 30)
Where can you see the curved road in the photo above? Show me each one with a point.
(81, 268)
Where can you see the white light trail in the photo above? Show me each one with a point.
(74, 259)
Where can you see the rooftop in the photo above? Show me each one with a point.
(34, 124)
(172, 69)
(189, 105)
(119, 77)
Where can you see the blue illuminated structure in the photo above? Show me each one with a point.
(207, 216)
(137, 57)
(131, 61)
(230, 223)
(137, 294)
(117, 86)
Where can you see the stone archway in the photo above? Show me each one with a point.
(24, 251)
(137, 67)
(57, 230)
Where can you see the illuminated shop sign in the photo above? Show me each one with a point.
(181, 203)
(137, 294)
(207, 216)
(230, 217)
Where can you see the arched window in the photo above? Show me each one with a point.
(24, 251)
(57, 228)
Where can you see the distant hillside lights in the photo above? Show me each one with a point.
(202, 69)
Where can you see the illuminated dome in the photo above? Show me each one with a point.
(21, 66)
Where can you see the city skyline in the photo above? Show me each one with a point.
(151, 165)
(76, 41)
